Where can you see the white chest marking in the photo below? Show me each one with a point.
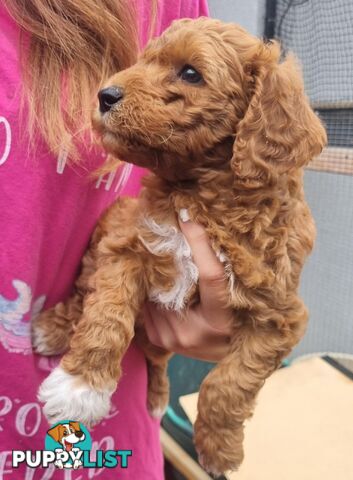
(171, 241)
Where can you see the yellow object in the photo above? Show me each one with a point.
(302, 428)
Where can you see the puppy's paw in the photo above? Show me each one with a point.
(219, 450)
(157, 402)
(41, 342)
(69, 397)
(158, 408)
(50, 334)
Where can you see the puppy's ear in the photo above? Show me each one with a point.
(56, 432)
(279, 131)
(75, 426)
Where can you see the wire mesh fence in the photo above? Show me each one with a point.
(320, 32)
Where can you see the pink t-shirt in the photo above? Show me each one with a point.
(48, 210)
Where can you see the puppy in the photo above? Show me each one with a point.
(67, 434)
(225, 128)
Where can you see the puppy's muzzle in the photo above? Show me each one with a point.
(108, 97)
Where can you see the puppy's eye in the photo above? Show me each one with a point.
(190, 75)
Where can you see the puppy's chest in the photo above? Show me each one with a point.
(171, 287)
(163, 240)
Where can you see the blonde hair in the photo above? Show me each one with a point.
(74, 46)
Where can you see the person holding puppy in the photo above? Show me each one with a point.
(55, 56)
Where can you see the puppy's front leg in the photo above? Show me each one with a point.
(81, 387)
(158, 383)
(228, 393)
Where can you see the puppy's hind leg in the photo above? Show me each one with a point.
(228, 393)
(52, 329)
(158, 383)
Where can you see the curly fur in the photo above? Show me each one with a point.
(230, 149)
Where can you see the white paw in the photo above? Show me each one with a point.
(69, 397)
(208, 467)
(214, 469)
(158, 412)
(158, 406)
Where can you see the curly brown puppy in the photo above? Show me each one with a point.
(225, 128)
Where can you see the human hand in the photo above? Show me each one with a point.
(202, 331)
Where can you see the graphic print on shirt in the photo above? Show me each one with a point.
(119, 180)
(5, 139)
(14, 330)
(61, 160)
(115, 180)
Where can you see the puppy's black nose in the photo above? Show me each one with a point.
(79, 433)
(108, 97)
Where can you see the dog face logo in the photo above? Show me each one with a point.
(68, 434)
(71, 438)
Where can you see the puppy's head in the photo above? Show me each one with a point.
(67, 434)
(209, 95)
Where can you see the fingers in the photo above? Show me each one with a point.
(212, 281)
(204, 331)
(203, 254)
(189, 335)
(170, 330)
(157, 327)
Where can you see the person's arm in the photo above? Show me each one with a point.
(204, 331)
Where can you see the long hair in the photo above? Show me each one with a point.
(74, 45)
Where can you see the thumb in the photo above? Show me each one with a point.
(212, 278)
